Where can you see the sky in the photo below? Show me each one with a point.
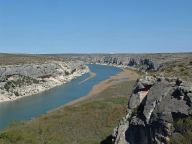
(95, 26)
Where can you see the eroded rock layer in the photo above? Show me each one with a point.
(28, 79)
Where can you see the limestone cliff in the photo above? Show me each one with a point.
(139, 62)
(28, 79)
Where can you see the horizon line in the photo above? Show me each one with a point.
(99, 53)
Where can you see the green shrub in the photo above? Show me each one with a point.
(183, 125)
(183, 130)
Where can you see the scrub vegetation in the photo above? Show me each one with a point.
(87, 122)
(183, 129)
(179, 68)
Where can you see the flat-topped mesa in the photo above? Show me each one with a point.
(29, 79)
(156, 102)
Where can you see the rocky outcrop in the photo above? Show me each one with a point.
(156, 102)
(139, 62)
(28, 79)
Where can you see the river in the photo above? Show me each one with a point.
(32, 106)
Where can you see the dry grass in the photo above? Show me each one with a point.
(88, 122)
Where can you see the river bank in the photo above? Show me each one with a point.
(92, 75)
(30, 107)
(47, 81)
(88, 121)
(125, 75)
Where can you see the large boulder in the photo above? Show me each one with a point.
(152, 116)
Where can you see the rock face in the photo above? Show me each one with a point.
(156, 102)
(53, 68)
(139, 62)
(28, 79)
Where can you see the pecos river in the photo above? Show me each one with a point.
(32, 106)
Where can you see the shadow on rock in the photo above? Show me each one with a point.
(108, 140)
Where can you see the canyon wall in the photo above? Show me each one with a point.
(29, 79)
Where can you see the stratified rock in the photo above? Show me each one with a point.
(29, 79)
(139, 62)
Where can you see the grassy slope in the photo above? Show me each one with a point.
(88, 122)
(93, 120)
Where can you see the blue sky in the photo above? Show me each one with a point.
(95, 26)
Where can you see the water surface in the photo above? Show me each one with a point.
(32, 106)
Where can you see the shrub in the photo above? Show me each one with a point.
(183, 130)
